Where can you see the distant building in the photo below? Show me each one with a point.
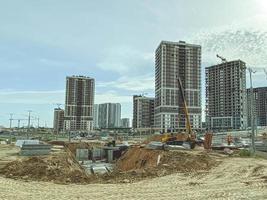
(96, 108)
(58, 120)
(109, 115)
(80, 92)
(260, 106)
(173, 60)
(226, 99)
(143, 111)
(125, 123)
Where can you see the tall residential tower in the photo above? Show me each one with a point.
(80, 92)
(109, 115)
(226, 96)
(58, 124)
(173, 60)
(260, 106)
(143, 111)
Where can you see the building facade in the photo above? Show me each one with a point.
(226, 96)
(143, 111)
(79, 101)
(260, 106)
(58, 124)
(173, 60)
(125, 123)
(96, 108)
(109, 115)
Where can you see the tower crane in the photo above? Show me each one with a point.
(222, 58)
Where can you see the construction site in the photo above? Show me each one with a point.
(167, 165)
(151, 169)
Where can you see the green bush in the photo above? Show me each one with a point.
(244, 153)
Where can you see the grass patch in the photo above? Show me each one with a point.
(245, 153)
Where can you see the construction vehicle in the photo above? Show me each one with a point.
(181, 138)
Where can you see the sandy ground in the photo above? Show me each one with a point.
(234, 178)
(7, 154)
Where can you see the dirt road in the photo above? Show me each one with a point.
(235, 178)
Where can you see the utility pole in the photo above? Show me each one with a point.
(10, 126)
(252, 112)
(29, 123)
(38, 119)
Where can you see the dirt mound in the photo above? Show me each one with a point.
(174, 161)
(53, 168)
(61, 143)
(179, 161)
(139, 164)
(138, 158)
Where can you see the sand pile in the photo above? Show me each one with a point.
(175, 161)
(181, 161)
(139, 164)
(59, 169)
(138, 158)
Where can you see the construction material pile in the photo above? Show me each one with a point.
(140, 163)
(73, 146)
(59, 169)
(179, 161)
(155, 138)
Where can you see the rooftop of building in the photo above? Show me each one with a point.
(225, 63)
(178, 43)
(79, 77)
(143, 97)
(58, 109)
(258, 88)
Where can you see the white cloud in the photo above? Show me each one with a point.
(125, 60)
(245, 40)
(143, 83)
(56, 96)
(31, 97)
(112, 97)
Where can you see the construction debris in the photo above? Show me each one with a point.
(35, 149)
(59, 169)
(19, 143)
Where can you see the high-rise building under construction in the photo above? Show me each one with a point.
(226, 100)
(80, 92)
(173, 60)
(143, 111)
(260, 106)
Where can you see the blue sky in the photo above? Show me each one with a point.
(44, 41)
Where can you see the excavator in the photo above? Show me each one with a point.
(181, 138)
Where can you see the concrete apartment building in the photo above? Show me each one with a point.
(58, 124)
(143, 111)
(96, 108)
(177, 59)
(125, 123)
(226, 96)
(260, 106)
(80, 93)
(109, 115)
